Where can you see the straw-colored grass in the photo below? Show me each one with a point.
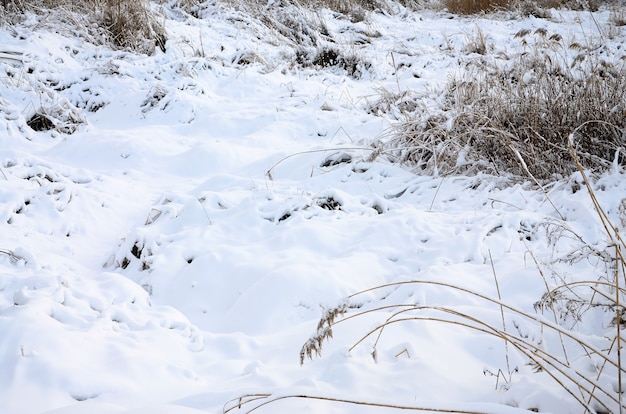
(570, 298)
(253, 402)
(528, 7)
(515, 116)
(126, 24)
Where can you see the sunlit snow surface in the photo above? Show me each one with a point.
(178, 247)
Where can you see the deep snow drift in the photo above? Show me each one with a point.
(172, 242)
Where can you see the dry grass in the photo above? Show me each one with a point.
(127, 24)
(476, 42)
(565, 301)
(132, 25)
(301, 28)
(253, 402)
(515, 117)
(526, 7)
(618, 15)
(584, 387)
(299, 21)
(475, 6)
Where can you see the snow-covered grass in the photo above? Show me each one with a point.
(175, 224)
(516, 111)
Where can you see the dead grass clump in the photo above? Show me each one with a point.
(586, 5)
(394, 105)
(332, 57)
(538, 8)
(302, 27)
(290, 23)
(618, 16)
(132, 25)
(356, 10)
(300, 22)
(475, 6)
(515, 117)
(40, 122)
(476, 42)
(127, 24)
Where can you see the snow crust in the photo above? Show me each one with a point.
(171, 244)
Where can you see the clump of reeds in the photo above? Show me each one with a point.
(525, 6)
(515, 116)
(126, 24)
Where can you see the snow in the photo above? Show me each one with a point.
(172, 243)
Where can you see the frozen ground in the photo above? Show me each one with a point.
(172, 243)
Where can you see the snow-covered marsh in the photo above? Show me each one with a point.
(174, 231)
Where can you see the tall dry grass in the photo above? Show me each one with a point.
(515, 116)
(527, 7)
(126, 24)
(132, 24)
(566, 359)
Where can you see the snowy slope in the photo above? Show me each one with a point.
(171, 244)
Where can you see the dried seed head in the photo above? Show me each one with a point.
(556, 37)
(576, 46)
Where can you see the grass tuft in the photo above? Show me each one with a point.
(132, 25)
(516, 116)
(127, 24)
(526, 7)
(474, 6)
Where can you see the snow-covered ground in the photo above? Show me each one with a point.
(172, 243)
